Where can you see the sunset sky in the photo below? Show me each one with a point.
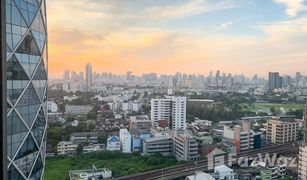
(168, 36)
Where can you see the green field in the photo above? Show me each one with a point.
(268, 106)
(120, 164)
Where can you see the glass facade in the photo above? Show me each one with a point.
(26, 81)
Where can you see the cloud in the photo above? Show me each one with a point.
(287, 29)
(293, 6)
(191, 8)
(225, 25)
(119, 35)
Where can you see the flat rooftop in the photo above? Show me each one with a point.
(102, 173)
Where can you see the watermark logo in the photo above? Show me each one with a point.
(216, 158)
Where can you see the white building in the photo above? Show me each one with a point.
(113, 143)
(179, 112)
(224, 172)
(125, 140)
(70, 98)
(67, 148)
(302, 165)
(172, 109)
(160, 110)
(52, 107)
(200, 176)
(93, 148)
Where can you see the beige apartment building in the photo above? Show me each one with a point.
(282, 130)
(302, 166)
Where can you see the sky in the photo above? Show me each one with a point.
(168, 36)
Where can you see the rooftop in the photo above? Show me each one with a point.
(158, 138)
(103, 173)
(222, 168)
(113, 139)
(139, 118)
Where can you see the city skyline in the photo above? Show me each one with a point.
(68, 74)
(183, 36)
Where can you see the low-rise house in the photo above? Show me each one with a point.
(200, 176)
(113, 143)
(52, 107)
(93, 148)
(88, 174)
(84, 137)
(224, 172)
(67, 148)
(77, 109)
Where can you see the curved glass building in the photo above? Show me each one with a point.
(25, 67)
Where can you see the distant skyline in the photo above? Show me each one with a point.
(189, 36)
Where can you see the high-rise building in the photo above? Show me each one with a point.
(88, 76)
(178, 115)
(160, 110)
(275, 81)
(217, 78)
(172, 109)
(66, 75)
(298, 77)
(24, 86)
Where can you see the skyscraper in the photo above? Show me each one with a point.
(88, 76)
(24, 88)
(66, 75)
(217, 78)
(275, 81)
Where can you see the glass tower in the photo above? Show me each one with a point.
(26, 87)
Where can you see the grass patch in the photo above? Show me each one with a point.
(120, 164)
(267, 106)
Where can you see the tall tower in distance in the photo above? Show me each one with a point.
(88, 76)
(275, 81)
(24, 86)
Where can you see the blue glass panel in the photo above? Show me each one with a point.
(16, 133)
(28, 9)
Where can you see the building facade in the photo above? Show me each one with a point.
(302, 165)
(241, 135)
(172, 109)
(179, 106)
(275, 81)
(160, 110)
(139, 123)
(158, 145)
(125, 141)
(185, 147)
(84, 137)
(281, 131)
(88, 76)
(113, 143)
(24, 73)
(67, 148)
